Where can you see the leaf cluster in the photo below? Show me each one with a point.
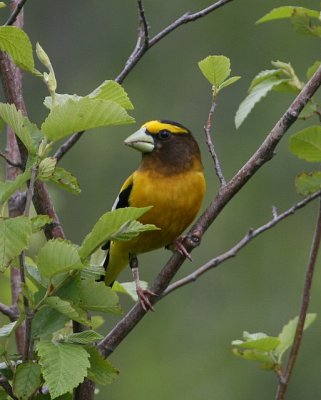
(61, 278)
(268, 350)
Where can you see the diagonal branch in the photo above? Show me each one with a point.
(285, 377)
(10, 311)
(4, 383)
(263, 154)
(233, 251)
(184, 19)
(17, 10)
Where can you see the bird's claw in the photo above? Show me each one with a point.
(143, 296)
(178, 245)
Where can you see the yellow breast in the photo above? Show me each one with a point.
(175, 199)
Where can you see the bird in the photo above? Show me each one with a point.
(170, 178)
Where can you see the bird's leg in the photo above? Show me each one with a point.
(177, 245)
(143, 294)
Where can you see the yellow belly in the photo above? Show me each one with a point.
(175, 199)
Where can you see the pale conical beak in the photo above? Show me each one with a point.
(141, 141)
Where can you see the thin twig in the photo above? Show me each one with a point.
(285, 377)
(65, 147)
(210, 145)
(184, 19)
(4, 383)
(10, 162)
(10, 311)
(232, 252)
(12, 19)
(143, 44)
(143, 22)
(225, 195)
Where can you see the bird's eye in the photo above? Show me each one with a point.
(164, 134)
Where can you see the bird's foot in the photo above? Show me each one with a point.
(143, 294)
(144, 298)
(177, 245)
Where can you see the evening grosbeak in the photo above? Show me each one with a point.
(170, 178)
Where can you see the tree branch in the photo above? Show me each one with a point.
(210, 145)
(10, 311)
(4, 383)
(184, 19)
(143, 44)
(13, 17)
(285, 377)
(233, 251)
(226, 193)
(10, 162)
(69, 143)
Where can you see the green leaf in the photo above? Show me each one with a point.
(312, 69)
(215, 69)
(131, 229)
(265, 75)
(93, 271)
(16, 43)
(229, 82)
(27, 380)
(256, 94)
(85, 337)
(306, 144)
(266, 343)
(50, 79)
(65, 180)
(46, 168)
(4, 395)
(97, 321)
(7, 330)
(96, 296)
(8, 188)
(47, 321)
(307, 184)
(83, 114)
(265, 358)
(108, 90)
(18, 123)
(302, 23)
(14, 238)
(39, 222)
(64, 366)
(58, 256)
(129, 288)
(60, 99)
(108, 224)
(111, 90)
(257, 347)
(287, 334)
(100, 371)
(287, 12)
(67, 309)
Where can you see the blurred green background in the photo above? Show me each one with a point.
(183, 349)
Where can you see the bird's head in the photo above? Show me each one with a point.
(166, 143)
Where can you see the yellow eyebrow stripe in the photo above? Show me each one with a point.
(157, 126)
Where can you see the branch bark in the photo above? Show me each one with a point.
(285, 377)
